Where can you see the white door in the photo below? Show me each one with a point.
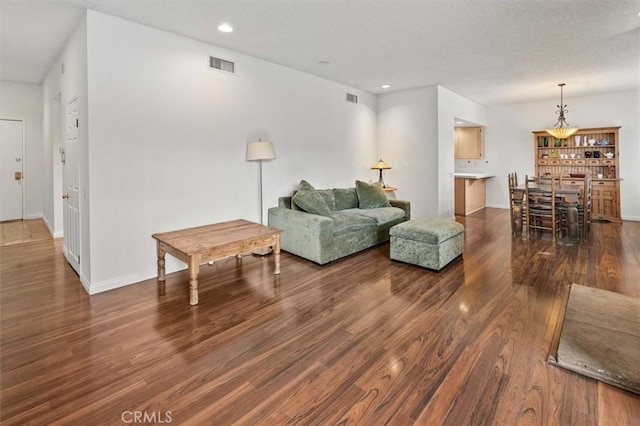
(70, 191)
(11, 177)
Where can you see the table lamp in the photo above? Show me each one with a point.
(381, 165)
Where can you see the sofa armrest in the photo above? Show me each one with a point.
(404, 205)
(304, 234)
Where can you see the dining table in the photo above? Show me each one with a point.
(570, 199)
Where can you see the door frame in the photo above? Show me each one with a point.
(71, 236)
(23, 160)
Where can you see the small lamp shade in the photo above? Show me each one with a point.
(380, 165)
(262, 150)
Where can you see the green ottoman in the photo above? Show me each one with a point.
(429, 242)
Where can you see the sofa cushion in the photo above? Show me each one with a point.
(327, 195)
(381, 215)
(371, 195)
(305, 185)
(310, 200)
(346, 221)
(432, 230)
(345, 198)
(301, 186)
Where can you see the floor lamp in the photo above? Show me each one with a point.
(259, 151)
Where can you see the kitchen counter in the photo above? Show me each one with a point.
(472, 175)
(471, 192)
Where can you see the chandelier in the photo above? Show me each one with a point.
(562, 129)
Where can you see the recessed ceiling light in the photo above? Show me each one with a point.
(385, 86)
(225, 28)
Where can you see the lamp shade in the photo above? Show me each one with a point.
(262, 150)
(380, 165)
(562, 129)
(561, 132)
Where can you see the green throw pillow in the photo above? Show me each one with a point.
(310, 200)
(371, 195)
(345, 198)
(304, 185)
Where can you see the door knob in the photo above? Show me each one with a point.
(65, 196)
(18, 175)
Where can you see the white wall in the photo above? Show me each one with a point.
(408, 141)
(163, 141)
(406, 122)
(57, 141)
(509, 141)
(53, 139)
(452, 106)
(51, 90)
(67, 86)
(167, 140)
(20, 101)
(416, 137)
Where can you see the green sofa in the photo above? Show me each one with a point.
(342, 229)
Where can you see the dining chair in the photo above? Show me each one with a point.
(583, 207)
(546, 179)
(516, 204)
(543, 213)
(585, 220)
(513, 179)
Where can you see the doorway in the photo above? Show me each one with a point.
(11, 170)
(54, 154)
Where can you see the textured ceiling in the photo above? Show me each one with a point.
(490, 51)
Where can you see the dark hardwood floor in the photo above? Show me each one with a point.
(363, 340)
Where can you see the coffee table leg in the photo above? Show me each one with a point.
(194, 270)
(161, 254)
(276, 255)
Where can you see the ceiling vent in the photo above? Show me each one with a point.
(222, 65)
(352, 98)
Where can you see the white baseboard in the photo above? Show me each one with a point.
(102, 286)
(54, 234)
(32, 216)
(498, 206)
(85, 284)
(46, 222)
(99, 287)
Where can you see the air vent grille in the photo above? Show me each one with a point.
(222, 65)
(352, 98)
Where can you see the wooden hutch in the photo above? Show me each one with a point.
(592, 152)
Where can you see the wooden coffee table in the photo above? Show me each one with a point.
(195, 246)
